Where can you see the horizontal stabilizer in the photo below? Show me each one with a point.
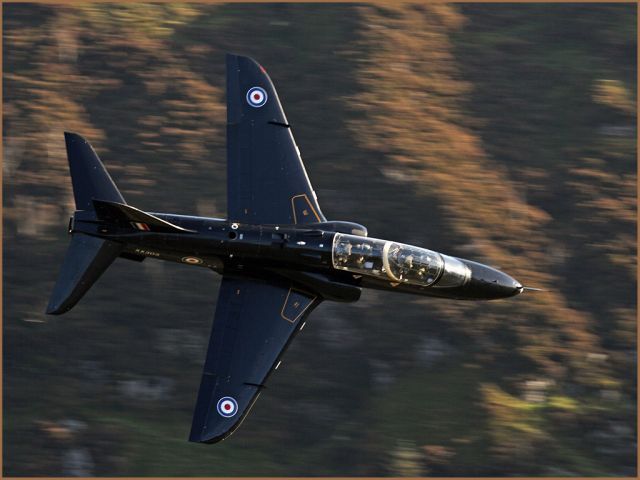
(87, 258)
(126, 215)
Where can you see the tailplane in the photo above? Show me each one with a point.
(87, 257)
(98, 202)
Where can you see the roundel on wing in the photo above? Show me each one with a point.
(227, 407)
(256, 97)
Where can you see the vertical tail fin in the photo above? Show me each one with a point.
(89, 177)
(87, 257)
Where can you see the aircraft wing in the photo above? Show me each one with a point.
(266, 179)
(253, 325)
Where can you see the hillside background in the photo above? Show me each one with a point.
(500, 133)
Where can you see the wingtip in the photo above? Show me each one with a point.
(237, 55)
(234, 57)
(196, 438)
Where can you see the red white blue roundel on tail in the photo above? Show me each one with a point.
(227, 407)
(256, 97)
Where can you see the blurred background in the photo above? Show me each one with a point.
(500, 133)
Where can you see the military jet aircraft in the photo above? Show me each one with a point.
(278, 255)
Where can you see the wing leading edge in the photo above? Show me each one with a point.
(266, 179)
(253, 324)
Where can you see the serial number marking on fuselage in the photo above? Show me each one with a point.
(148, 253)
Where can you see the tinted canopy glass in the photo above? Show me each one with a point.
(396, 262)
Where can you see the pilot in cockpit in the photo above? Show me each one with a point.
(364, 250)
(343, 252)
(409, 261)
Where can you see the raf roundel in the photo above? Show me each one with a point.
(256, 97)
(192, 260)
(227, 407)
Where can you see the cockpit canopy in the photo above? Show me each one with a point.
(397, 262)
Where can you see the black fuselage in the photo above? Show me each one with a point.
(300, 253)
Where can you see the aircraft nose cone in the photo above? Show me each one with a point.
(489, 283)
